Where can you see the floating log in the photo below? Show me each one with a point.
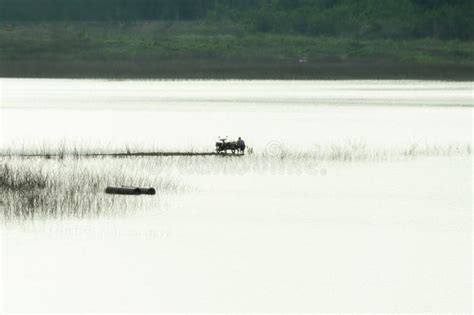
(130, 191)
(147, 191)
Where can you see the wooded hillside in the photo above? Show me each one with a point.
(395, 19)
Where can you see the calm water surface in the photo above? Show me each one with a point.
(392, 236)
(183, 115)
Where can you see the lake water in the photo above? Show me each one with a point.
(182, 115)
(390, 235)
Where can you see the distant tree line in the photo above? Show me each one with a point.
(100, 10)
(395, 19)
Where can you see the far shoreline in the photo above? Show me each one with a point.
(228, 69)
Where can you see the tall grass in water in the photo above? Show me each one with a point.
(359, 151)
(346, 151)
(53, 188)
(70, 185)
(63, 149)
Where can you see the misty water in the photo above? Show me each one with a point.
(371, 235)
(183, 115)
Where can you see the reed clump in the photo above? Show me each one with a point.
(57, 188)
(360, 151)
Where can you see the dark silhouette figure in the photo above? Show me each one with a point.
(234, 146)
(241, 145)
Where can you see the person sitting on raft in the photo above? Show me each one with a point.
(241, 144)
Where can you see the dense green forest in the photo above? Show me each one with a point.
(267, 39)
(395, 19)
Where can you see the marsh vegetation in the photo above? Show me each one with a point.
(51, 174)
(57, 188)
(65, 184)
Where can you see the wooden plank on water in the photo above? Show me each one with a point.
(135, 154)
